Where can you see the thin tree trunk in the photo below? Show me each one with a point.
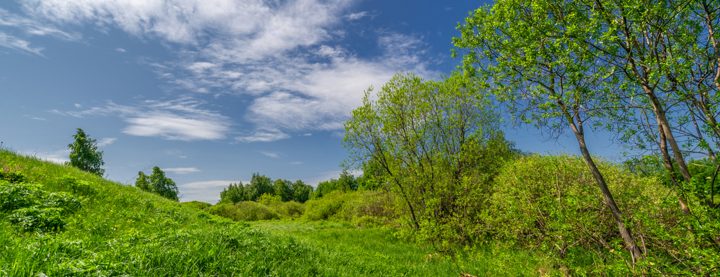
(665, 128)
(625, 233)
(671, 170)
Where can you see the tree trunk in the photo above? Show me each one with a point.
(671, 170)
(607, 196)
(665, 128)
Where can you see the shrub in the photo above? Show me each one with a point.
(62, 200)
(359, 207)
(16, 196)
(11, 176)
(78, 187)
(197, 205)
(37, 219)
(325, 207)
(552, 204)
(243, 211)
(290, 209)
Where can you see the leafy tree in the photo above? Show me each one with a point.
(259, 185)
(301, 192)
(234, 193)
(429, 138)
(533, 55)
(84, 154)
(143, 182)
(157, 183)
(282, 188)
(162, 185)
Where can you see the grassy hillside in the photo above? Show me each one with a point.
(121, 230)
(118, 229)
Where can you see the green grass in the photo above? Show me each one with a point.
(351, 251)
(121, 230)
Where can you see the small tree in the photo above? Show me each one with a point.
(162, 185)
(143, 182)
(84, 154)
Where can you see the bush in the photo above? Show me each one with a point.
(16, 196)
(361, 208)
(197, 205)
(12, 177)
(33, 209)
(553, 204)
(325, 207)
(37, 219)
(243, 211)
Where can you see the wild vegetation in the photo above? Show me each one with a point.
(442, 191)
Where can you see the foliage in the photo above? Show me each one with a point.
(438, 145)
(197, 205)
(550, 204)
(346, 182)
(361, 208)
(157, 183)
(33, 209)
(84, 154)
(262, 185)
(243, 211)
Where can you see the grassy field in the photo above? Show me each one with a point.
(376, 251)
(120, 230)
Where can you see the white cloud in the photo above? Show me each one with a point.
(18, 44)
(264, 135)
(179, 119)
(270, 154)
(207, 191)
(120, 50)
(182, 170)
(357, 15)
(106, 141)
(283, 55)
(58, 156)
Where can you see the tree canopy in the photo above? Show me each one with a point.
(84, 154)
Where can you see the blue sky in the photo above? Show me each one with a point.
(214, 90)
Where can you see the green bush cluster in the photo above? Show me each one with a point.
(244, 211)
(551, 204)
(362, 208)
(34, 210)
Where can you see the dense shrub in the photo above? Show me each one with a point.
(552, 204)
(361, 208)
(33, 209)
(243, 211)
(16, 196)
(38, 219)
(197, 205)
(11, 176)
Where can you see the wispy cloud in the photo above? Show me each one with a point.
(182, 170)
(120, 50)
(106, 141)
(16, 32)
(207, 191)
(270, 154)
(179, 119)
(58, 156)
(285, 56)
(357, 15)
(19, 44)
(263, 135)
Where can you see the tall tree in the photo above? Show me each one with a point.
(84, 154)
(532, 55)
